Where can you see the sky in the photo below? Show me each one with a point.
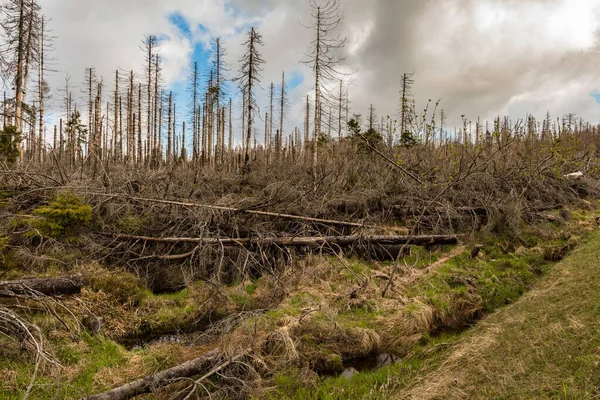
(482, 58)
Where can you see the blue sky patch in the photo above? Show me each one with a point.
(181, 23)
(295, 79)
(596, 95)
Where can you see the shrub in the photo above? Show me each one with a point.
(62, 218)
(9, 144)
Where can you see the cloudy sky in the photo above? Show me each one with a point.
(481, 57)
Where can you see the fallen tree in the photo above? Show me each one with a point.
(300, 241)
(237, 210)
(46, 286)
(207, 364)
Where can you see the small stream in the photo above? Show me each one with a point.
(370, 363)
(142, 341)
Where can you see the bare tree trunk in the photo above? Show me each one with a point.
(250, 105)
(61, 143)
(130, 122)
(19, 76)
(156, 140)
(306, 126)
(160, 116)
(97, 125)
(281, 114)
(301, 241)
(204, 131)
(340, 112)
(41, 87)
(244, 100)
(317, 96)
(44, 286)
(150, 44)
(116, 117)
(270, 122)
(140, 149)
(209, 122)
(90, 76)
(164, 378)
(195, 111)
(175, 150)
(120, 137)
(230, 146)
(169, 131)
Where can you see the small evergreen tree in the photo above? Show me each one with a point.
(371, 135)
(9, 144)
(76, 132)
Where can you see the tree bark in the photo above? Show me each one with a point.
(298, 241)
(46, 286)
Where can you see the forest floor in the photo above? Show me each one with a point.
(326, 316)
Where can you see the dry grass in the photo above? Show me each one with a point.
(404, 329)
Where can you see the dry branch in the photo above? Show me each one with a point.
(45, 286)
(237, 210)
(151, 382)
(299, 241)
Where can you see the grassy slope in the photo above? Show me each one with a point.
(546, 345)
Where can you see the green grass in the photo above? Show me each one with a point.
(545, 346)
(497, 278)
(95, 354)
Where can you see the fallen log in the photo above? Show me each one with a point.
(300, 241)
(147, 384)
(45, 286)
(238, 210)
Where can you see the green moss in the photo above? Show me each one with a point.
(251, 289)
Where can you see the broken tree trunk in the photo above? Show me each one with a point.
(237, 210)
(298, 241)
(45, 286)
(149, 383)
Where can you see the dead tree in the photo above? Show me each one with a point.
(20, 26)
(324, 60)
(150, 44)
(169, 130)
(194, 105)
(250, 74)
(282, 111)
(156, 151)
(43, 286)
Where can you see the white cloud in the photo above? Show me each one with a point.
(482, 57)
